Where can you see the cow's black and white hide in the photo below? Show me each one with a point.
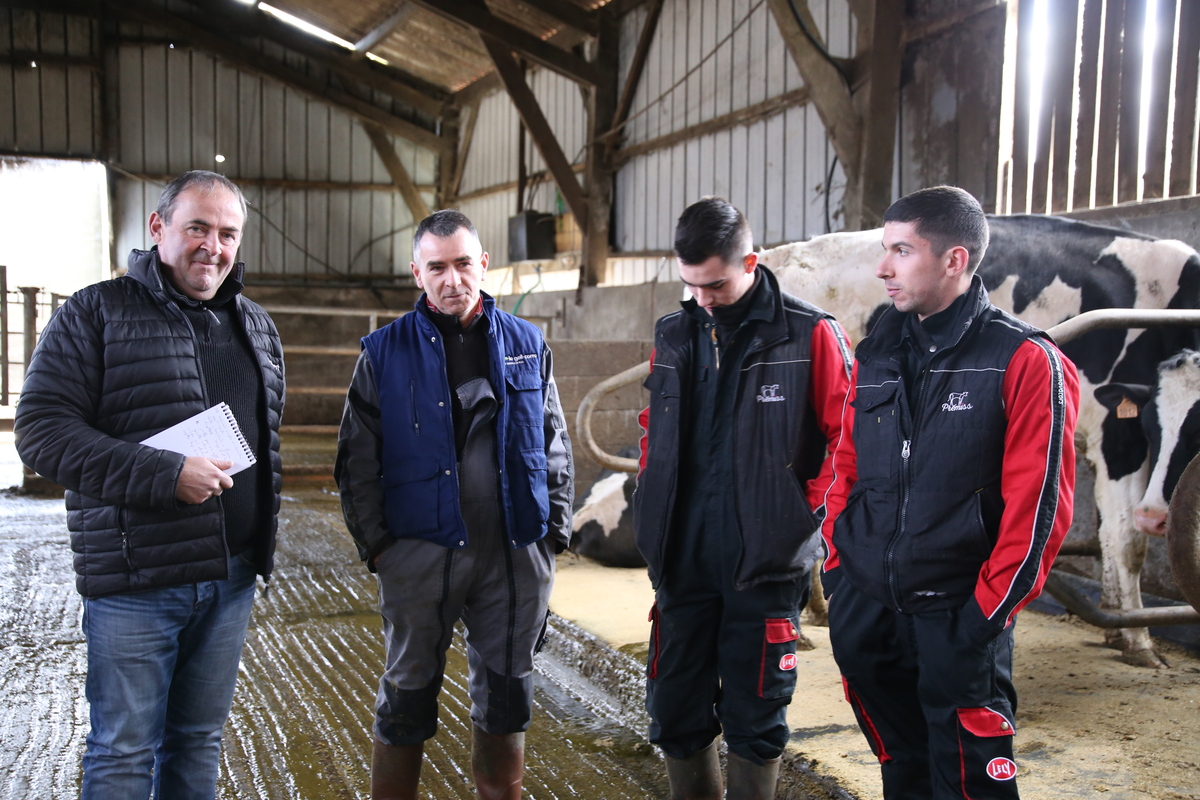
(1168, 416)
(1046, 270)
(603, 524)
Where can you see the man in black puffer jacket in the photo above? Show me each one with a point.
(166, 547)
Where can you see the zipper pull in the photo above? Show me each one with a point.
(712, 330)
(904, 452)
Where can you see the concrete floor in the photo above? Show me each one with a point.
(1088, 724)
(302, 712)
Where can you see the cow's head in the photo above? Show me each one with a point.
(1169, 413)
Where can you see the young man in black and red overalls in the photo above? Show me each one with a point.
(747, 392)
(956, 474)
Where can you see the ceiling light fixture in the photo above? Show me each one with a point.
(307, 27)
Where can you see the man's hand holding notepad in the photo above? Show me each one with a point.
(213, 434)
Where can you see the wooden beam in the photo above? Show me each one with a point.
(531, 180)
(465, 137)
(951, 19)
(543, 136)
(567, 13)
(399, 15)
(1183, 148)
(246, 58)
(743, 116)
(27, 59)
(636, 66)
(511, 37)
(472, 93)
(279, 183)
(827, 89)
(878, 103)
(400, 177)
(253, 21)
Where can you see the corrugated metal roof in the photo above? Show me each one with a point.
(426, 45)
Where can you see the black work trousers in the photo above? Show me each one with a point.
(936, 707)
(722, 660)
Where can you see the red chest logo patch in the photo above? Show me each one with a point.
(1001, 769)
(788, 661)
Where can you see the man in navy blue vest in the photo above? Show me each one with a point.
(955, 479)
(456, 481)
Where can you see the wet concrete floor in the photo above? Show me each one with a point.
(300, 726)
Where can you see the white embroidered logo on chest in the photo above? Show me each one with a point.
(770, 394)
(957, 402)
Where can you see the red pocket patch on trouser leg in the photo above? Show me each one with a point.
(777, 667)
(985, 748)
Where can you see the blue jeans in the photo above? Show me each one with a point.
(162, 665)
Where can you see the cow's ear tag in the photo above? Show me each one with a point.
(1127, 409)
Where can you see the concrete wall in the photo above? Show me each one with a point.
(606, 313)
(580, 365)
(1177, 218)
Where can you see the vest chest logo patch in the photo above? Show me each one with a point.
(518, 359)
(957, 402)
(769, 393)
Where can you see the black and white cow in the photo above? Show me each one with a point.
(1168, 415)
(602, 528)
(1046, 270)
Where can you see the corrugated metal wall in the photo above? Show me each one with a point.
(266, 132)
(177, 109)
(487, 194)
(50, 99)
(709, 58)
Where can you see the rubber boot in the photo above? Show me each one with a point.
(395, 771)
(697, 777)
(749, 781)
(497, 762)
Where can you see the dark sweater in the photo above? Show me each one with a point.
(231, 376)
(466, 358)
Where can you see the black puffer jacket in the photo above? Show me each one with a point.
(116, 364)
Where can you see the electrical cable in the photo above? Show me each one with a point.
(816, 43)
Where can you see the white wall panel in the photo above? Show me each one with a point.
(53, 107)
(725, 57)
(265, 131)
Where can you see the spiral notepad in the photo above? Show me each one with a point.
(213, 433)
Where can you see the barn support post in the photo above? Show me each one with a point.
(31, 294)
(4, 356)
(878, 104)
(598, 171)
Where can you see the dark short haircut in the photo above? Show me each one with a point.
(711, 227)
(947, 217)
(441, 224)
(190, 179)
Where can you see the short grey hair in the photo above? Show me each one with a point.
(441, 224)
(190, 179)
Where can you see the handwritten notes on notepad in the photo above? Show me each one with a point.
(213, 433)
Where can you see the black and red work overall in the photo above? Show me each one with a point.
(728, 502)
(959, 448)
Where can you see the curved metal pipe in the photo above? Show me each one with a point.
(583, 418)
(1061, 590)
(1076, 326)
(1183, 533)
